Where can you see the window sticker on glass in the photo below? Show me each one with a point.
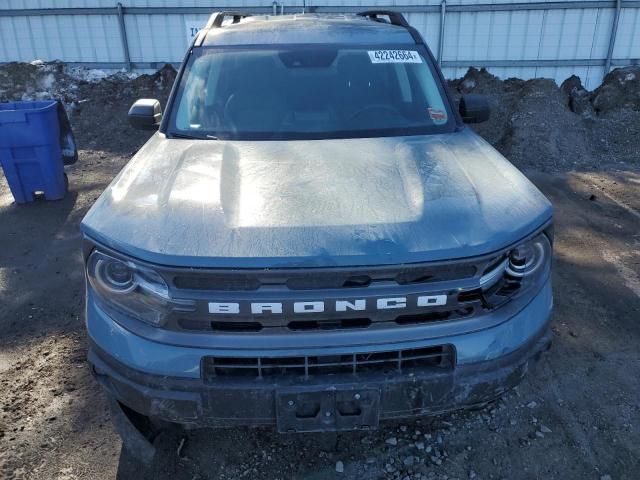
(437, 115)
(394, 56)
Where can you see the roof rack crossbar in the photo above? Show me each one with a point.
(396, 18)
(216, 19)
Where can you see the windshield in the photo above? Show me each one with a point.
(309, 92)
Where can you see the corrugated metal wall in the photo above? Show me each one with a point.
(551, 41)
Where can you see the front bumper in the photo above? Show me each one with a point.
(164, 381)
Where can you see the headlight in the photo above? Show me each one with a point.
(515, 271)
(131, 288)
(113, 275)
(527, 258)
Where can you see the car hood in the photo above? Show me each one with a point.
(208, 203)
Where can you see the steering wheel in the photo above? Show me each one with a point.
(228, 118)
(380, 108)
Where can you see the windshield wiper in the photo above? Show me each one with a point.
(192, 137)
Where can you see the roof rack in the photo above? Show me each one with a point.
(215, 21)
(216, 18)
(395, 18)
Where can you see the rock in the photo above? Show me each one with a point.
(393, 441)
(579, 98)
(532, 404)
(339, 466)
(420, 445)
(539, 434)
(545, 429)
(408, 462)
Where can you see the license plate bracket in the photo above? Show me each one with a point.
(308, 410)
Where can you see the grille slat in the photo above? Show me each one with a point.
(440, 357)
(240, 326)
(316, 279)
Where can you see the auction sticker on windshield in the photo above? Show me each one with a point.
(394, 56)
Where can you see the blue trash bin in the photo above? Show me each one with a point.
(30, 151)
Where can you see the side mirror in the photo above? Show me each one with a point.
(474, 108)
(145, 114)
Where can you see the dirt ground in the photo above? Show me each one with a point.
(576, 416)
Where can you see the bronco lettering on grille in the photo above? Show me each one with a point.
(359, 304)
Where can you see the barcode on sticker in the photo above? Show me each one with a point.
(394, 56)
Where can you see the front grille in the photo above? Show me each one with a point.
(398, 361)
(459, 281)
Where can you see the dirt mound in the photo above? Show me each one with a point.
(97, 102)
(619, 90)
(537, 124)
(38, 80)
(542, 131)
(530, 121)
(35, 81)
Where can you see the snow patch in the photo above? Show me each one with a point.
(92, 75)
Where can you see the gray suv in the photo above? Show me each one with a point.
(312, 239)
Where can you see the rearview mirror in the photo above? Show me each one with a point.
(474, 108)
(145, 114)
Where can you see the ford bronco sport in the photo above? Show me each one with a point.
(313, 239)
